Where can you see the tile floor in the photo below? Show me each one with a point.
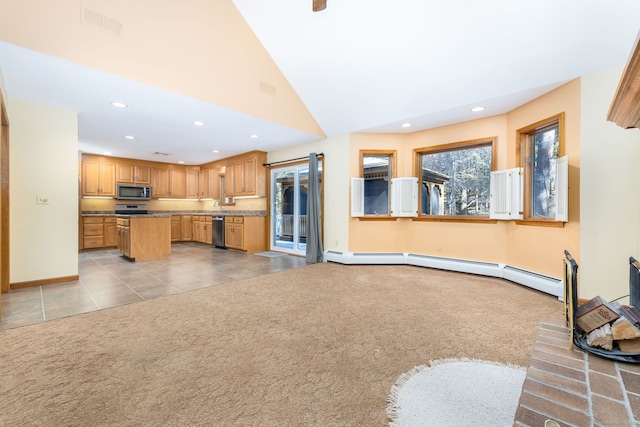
(109, 280)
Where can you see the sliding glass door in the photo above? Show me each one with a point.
(289, 208)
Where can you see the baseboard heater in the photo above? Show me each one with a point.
(547, 284)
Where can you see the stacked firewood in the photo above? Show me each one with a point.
(610, 325)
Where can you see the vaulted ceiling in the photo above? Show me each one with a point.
(356, 66)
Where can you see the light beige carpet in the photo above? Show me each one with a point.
(315, 346)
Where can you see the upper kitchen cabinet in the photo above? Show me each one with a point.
(246, 175)
(210, 181)
(192, 182)
(98, 176)
(169, 181)
(130, 173)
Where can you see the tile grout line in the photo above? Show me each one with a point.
(625, 396)
(585, 358)
(90, 295)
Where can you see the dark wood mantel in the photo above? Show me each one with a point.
(625, 108)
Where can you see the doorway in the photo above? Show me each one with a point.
(288, 228)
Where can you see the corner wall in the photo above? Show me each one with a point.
(610, 199)
(44, 161)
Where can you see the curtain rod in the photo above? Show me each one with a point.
(290, 160)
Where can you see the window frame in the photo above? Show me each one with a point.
(524, 138)
(453, 146)
(392, 154)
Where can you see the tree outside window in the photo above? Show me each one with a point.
(455, 178)
(540, 145)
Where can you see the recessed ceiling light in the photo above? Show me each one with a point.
(130, 137)
(406, 125)
(477, 109)
(198, 123)
(216, 151)
(181, 162)
(107, 153)
(254, 136)
(119, 104)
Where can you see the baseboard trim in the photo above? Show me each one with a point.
(50, 281)
(531, 279)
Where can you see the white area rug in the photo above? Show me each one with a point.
(456, 392)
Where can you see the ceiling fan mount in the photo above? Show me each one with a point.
(319, 5)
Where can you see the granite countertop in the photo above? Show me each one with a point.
(170, 213)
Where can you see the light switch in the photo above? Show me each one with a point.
(42, 200)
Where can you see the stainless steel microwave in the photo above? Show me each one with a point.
(134, 192)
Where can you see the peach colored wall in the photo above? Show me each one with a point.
(199, 34)
(538, 249)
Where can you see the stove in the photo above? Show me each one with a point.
(137, 209)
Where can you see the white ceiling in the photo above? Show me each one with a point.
(359, 65)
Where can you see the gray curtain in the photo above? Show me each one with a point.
(314, 213)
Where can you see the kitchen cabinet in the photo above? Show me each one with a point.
(245, 233)
(144, 238)
(209, 183)
(98, 232)
(110, 231)
(245, 175)
(192, 182)
(98, 176)
(129, 173)
(169, 181)
(186, 223)
(176, 228)
(202, 229)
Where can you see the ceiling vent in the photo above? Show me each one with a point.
(158, 153)
(97, 20)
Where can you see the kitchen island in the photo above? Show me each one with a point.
(144, 237)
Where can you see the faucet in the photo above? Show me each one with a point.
(217, 202)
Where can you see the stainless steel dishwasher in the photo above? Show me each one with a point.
(217, 232)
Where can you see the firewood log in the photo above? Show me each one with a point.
(601, 337)
(622, 329)
(630, 346)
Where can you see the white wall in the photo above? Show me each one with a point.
(336, 185)
(609, 192)
(43, 161)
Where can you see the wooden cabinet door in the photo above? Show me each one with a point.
(249, 177)
(142, 174)
(160, 182)
(203, 184)
(192, 184)
(176, 229)
(213, 183)
(177, 183)
(187, 228)
(108, 179)
(124, 173)
(110, 231)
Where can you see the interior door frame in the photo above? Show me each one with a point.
(270, 213)
(4, 200)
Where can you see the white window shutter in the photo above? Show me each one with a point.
(562, 189)
(357, 197)
(506, 188)
(404, 197)
(500, 197)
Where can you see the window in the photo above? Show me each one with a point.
(540, 145)
(377, 169)
(455, 178)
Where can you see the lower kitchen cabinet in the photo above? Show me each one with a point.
(186, 223)
(202, 229)
(144, 238)
(98, 232)
(176, 228)
(245, 233)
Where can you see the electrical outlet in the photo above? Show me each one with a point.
(42, 200)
